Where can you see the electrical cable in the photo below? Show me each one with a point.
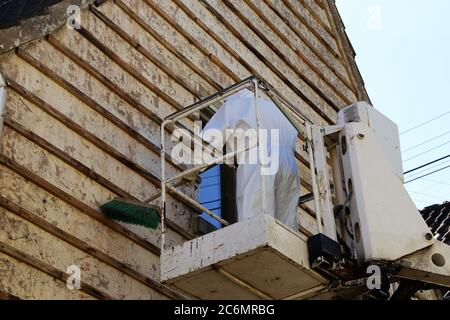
(425, 152)
(424, 123)
(427, 169)
(427, 164)
(425, 142)
(428, 174)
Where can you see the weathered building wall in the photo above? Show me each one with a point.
(82, 119)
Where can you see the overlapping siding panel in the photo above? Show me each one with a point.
(82, 120)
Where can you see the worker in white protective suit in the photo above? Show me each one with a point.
(281, 182)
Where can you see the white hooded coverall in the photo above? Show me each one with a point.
(282, 189)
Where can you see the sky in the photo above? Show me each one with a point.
(403, 53)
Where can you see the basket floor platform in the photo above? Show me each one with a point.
(254, 259)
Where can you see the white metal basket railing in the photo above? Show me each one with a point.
(259, 87)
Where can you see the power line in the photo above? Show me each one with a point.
(440, 164)
(427, 164)
(426, 122)
(425, 152)
(425, 142)
(428, 174)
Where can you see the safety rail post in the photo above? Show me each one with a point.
(323, 182)
(312, 170)
(163, 184)
(258, 144)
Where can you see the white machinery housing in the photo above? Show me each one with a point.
(383, 222)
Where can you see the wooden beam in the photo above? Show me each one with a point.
(198, 75)
(97, 215)
(44, 144)
(132, 132)
(218, 84)
(321, 34)
(168, 19)
(75, 164)
(74, 241)
(81, 131)
(95, 106)
(28, 283)
(8, 296)
(332, 61)
(100, 144)
(249, 70)
(135, 73)
(103, 79)
(216, 36)
(315, 104)
(346, 49)
(316, 12)
(303, 69)
(51, 271)
(302, 47)
(114, 88)
(71, 220)
(319, 3)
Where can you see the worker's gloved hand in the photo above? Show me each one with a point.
(192, 178)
